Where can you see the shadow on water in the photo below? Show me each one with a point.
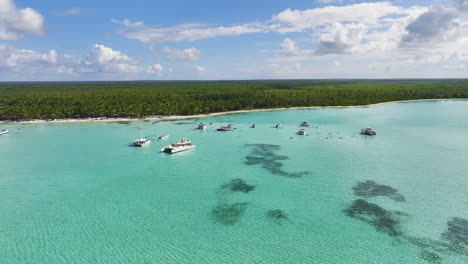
(264, 155)
(121, 122)
(229, 214)
(369, 189)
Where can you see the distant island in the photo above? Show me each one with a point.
(81, 100)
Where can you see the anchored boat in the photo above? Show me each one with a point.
(179, 146)
(305, 124)
(202, 126)
(141, 142)
(368, 132)
(164, 137)
(302, 132)
(4, 132)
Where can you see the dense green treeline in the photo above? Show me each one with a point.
(21, 101)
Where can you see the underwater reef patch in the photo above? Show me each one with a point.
(229, 214)
(457, 234)
(238, 185)
(277, 215)
(369, 189)
(381, 219)
(430, 257)
(264, 155)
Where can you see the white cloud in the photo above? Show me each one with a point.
(156, 68)
(430, 25)
(461, 5)
(289, 48)
(18, 60)
(102, 59)
(128, 23)
(200, 68)
(364, 13)
(190, 54)
(105, 59)
(184, 33)
(74, 11)
(17, 22)
(341, 38)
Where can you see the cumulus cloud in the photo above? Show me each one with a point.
(17, 60)
(200, 69)
(17, 22)
(105, 59)
(430, 25)
(341, 38)
(190, 54)
(365, 13)
(289, 48)
(461, 5)
(102, 59)
(156, 68)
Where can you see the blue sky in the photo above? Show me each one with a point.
(208, 39)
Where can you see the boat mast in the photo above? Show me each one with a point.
(141, 128)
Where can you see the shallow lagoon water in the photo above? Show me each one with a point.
(76, 193)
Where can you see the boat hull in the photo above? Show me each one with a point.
(176, 150)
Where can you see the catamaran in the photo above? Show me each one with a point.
(179, 146)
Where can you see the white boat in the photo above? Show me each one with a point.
(305, 124)
(368, 132)
(202, 126)
(302, 132)
(278, 126)
(179, 146)
(4, 132)
(141, 142)
(164, 137)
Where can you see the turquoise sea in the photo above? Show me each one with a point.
(77, 193)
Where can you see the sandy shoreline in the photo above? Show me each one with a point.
(178, 117)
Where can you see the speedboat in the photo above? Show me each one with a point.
(305, 124)
(368, 132)
(141, 142)
(179, 146)
(164, 137)
(302, 132)
(201, 126)
(4, 132)
(278, 126)
(223, 129)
